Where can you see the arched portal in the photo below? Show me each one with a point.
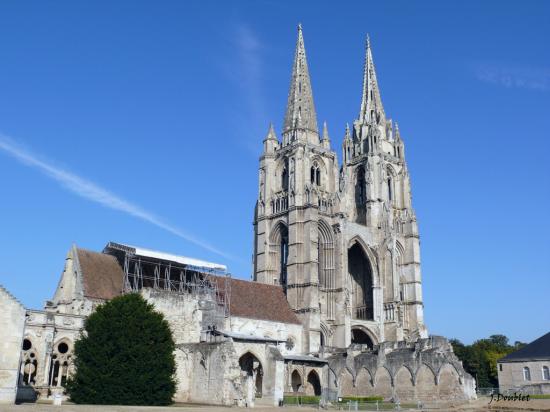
(252, 369)
(313, 384)
(360, 337)
(296, 381)
(361, 277)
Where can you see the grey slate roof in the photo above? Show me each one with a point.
(539, 349)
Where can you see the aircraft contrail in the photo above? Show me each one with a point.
(95, 193)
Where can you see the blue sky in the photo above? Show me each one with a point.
(141, 122)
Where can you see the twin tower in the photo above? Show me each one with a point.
(341, 241)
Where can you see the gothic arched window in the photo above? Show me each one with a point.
(315, 174)
(60, 364)
(360, 186)
(284, 257)
(360, 196)
(29, 363)
(284, 176)
(326, 268)
(390, 190)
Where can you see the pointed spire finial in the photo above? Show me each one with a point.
(397, 134)
(371, 102)
(300, 110)
(325, 131)
(271, 132)
(347, 135)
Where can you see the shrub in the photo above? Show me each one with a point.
(362, 398)
(301, 400)
(125, 357)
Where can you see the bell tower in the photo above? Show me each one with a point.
(378, 207)
(297, 184)
(342, 243)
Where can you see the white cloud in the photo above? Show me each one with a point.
(533, 78)
(250, 78)
(97, 194)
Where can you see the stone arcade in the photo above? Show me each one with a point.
(335, 307)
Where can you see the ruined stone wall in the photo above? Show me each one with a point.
(427, 370)
(303, 377)
(12, 320)
(201, 368)
(272, 362)
(208, 373)
(182, 311)
(269, 329)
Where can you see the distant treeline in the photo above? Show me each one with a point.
(480, 358)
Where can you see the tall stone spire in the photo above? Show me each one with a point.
(300, 110)
(372, 110)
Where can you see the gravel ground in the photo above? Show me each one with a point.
(475, 406)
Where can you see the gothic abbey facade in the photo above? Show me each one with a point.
(335, 307)
(341, 241)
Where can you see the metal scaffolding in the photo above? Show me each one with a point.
(146, 271)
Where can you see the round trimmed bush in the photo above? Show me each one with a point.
(125, 356)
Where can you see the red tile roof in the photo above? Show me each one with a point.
(102, 276)
(256, 300)
(103, 279)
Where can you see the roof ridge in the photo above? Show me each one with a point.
(255, 282)
(11, 296)
(531, 350)
(90, 250)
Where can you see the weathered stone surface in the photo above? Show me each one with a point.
(12, 321)
(425, 370)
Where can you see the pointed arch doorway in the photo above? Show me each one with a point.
(360, 271)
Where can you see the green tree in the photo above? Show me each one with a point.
(480, 358)
(125, 357)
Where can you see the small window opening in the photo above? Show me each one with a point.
(284, 176)
(315, 174)
(63, 347)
